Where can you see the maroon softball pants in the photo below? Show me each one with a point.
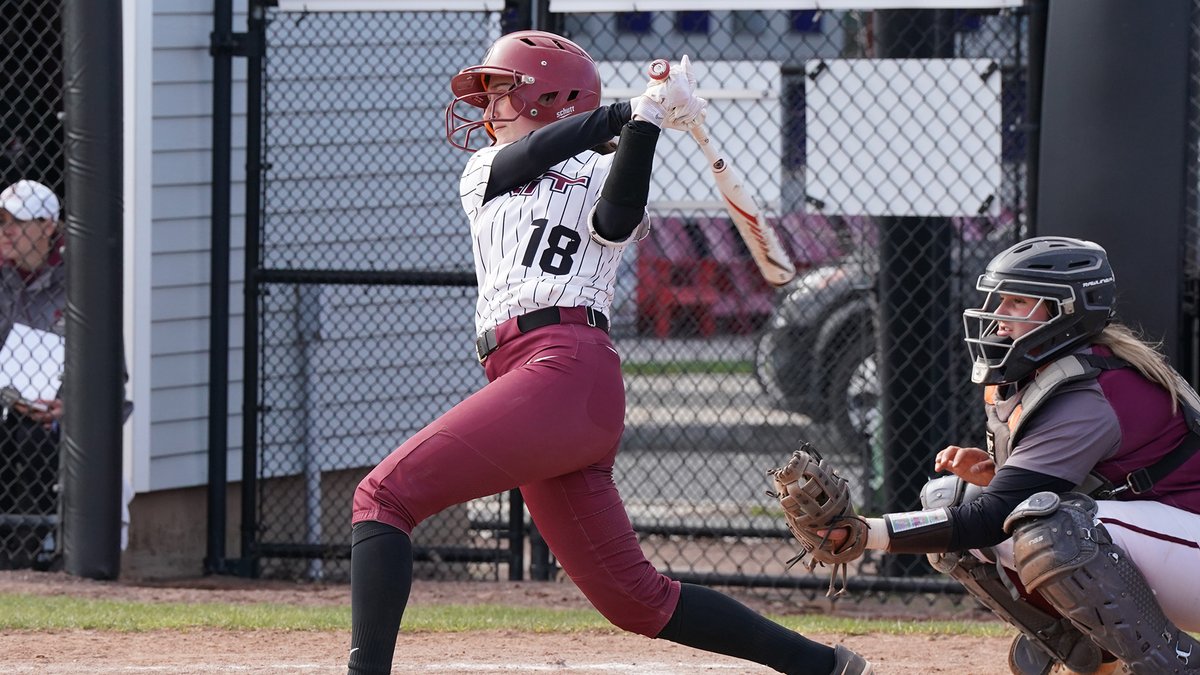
(549, 422)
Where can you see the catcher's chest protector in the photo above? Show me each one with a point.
(1006, 417)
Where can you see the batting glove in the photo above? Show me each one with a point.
(688, 116)
(685, 68)
(676, 88)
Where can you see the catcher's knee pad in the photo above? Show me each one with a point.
(947, 491)
(1062, 551)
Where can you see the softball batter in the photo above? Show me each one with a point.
(550, 214)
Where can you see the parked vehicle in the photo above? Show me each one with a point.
(817, 352)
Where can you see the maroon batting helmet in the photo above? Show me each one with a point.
(555, 78)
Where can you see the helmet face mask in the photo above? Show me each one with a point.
(555, 78)
(475, 111)
(992, 352)
(1071, 278)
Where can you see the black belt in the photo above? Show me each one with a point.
(487, 342)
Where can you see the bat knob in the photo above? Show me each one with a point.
(659, 69)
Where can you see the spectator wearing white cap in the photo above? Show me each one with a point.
(33, 285)
(29, 223)
(33, 292)
(33, 288)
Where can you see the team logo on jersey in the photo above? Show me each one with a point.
(559, 183)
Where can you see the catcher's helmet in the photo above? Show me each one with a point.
(555, 78)
(1071, 277)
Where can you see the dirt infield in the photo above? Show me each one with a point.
(219, 651)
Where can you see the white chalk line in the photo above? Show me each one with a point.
(653, 668)
(639, 669)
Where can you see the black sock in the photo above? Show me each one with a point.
(708, 620)
(380, 578)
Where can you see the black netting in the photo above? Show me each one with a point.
(360, 180)
(887, 149)
(32, 280)
(31, 141)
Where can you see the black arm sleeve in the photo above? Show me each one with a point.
(622, 203)
(530, 157)
(980, 523)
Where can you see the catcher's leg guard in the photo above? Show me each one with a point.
(1060, 550)
(1047, 638)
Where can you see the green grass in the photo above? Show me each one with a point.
(28, 612)
(47, 613)
(688, 368)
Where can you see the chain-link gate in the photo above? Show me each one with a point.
(366, 291)
(887, 149)
(33, 292)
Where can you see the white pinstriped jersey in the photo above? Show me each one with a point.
(534, 246)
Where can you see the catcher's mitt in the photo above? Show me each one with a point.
(816, 501)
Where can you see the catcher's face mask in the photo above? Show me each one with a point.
(1006, 335)
(1074, 282)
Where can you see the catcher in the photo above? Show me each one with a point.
(1079, 521)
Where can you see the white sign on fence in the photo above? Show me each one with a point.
(390, 5)
(903, 137)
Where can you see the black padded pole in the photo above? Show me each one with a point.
(218, 326)
(1114, 149)
(94, 378)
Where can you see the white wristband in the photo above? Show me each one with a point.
(648, 109)
(877, 534)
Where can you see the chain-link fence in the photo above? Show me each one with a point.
(367, 290)
(33, 290)
(887, 149)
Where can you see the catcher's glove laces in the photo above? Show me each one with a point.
(816, 502)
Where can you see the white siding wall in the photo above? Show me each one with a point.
(412, 172)
(361, 177)
(180, 260)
